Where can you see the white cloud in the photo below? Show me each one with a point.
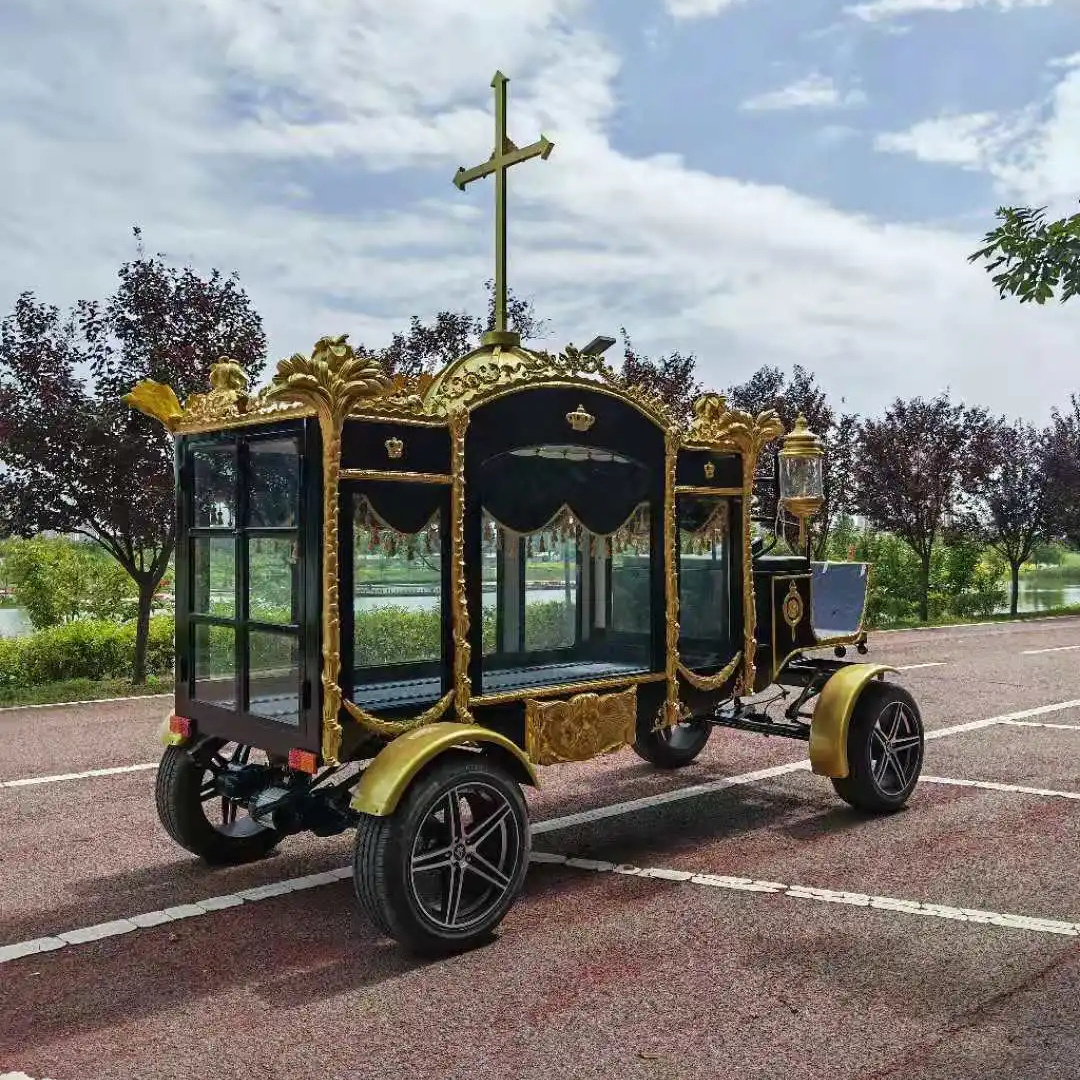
(698, 9)
(1032, 154)
(814, 91)
(134, 119)
(879, 10)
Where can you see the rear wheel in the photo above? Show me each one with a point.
(674, 746)
(197, 816)
(441, 872)
(885, 749)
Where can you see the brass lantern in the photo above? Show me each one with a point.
(802, 480)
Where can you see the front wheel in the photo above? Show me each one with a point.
(440, 872)
(885, 750)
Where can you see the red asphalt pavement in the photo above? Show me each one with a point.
(593, 974)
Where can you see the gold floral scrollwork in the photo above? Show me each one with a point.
(493, 370)
(581, 727)
(671, 574)
(709, 683)
(719, 427)
(391, 729)
(330, 381)
(459, 607)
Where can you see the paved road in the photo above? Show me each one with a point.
(675, 964)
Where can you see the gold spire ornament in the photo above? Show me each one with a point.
(505, 154)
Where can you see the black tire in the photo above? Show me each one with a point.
(181, 806)
(884, 714)
(671, 747)
(416, 907)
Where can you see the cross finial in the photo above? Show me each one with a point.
(502, 157)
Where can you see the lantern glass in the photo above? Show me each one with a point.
(801, 477)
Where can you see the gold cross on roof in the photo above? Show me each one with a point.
(502, 157)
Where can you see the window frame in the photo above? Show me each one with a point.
(241, 723)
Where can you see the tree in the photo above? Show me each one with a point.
(1062, 463)
(1017, 498)
(670, 377)
(917, 469)
(426, 347)
(1039, 258)
(74, 458)
(770, 388)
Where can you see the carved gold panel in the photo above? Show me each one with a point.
(581, 727)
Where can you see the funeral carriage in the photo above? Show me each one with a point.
(398, 600)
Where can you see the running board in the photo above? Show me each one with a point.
(761, 726)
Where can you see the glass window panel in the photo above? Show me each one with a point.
(397, 591)
(215, 665)
(274, 676)
(631, 570)
(551, 586)
(705, 581)
(273, 579)
(214, 470)
(273, 483)
(214, 577)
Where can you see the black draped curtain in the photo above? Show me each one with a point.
(524, 493)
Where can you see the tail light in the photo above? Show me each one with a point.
(180, 725)
(304, 761)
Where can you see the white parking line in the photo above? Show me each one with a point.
(263, 892)
(930, 663)
(992, 785)
(1028, 723)
(93, 701)
(833, 896)
(115, 770)
(1057, 648)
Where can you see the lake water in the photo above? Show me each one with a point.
(1036, 594)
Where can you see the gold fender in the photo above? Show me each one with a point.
(829, 725)
(386, 778)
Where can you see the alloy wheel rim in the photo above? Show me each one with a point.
(895, 749)
(465, 856)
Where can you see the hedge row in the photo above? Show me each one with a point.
(89, 649)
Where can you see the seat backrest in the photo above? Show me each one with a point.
(839, 597)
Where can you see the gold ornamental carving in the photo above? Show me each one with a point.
(580, 419)
(330, 381)
(793, 607)
(491, 371)
(459, 601)
(395, 449)
(710, 683)
(390, 729)
(582, 727)
(718, 427)
(671, 584)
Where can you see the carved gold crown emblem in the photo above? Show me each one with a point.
(580, 420)
(394, 448)
(710, 470)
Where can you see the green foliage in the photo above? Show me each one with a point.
(966, 579)
(1038, 257)
(58, 581)
(85, 649)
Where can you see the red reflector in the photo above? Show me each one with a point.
(180, 725)
(304, 760)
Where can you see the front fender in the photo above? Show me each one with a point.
(386, 778)
(829, 725)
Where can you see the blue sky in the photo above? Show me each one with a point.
(758, 181)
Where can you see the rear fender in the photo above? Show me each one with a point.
(396, 765)
(832, 717)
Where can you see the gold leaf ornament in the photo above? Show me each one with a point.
(156, 400)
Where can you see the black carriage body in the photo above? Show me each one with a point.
(251, 595)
